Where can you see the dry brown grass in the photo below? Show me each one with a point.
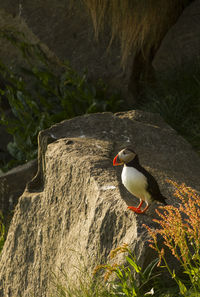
(179, 227)
(139, 24)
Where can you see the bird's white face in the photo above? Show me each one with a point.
(123, 157)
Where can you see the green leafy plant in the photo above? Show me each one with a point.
(40, 96)
(117, 280)
(130, 280)
(83, 287)
(179, 229)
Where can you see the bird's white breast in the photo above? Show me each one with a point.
(135, 182)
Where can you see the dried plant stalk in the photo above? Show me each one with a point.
(139, 24)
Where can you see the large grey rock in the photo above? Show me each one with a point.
(181, 45)
(13, 183)
(76, 206)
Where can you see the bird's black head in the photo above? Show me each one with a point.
(124, 156)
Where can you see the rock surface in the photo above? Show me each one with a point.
(181, 45)
(13, 183)
(76, 207)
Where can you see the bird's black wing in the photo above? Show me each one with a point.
(153, 187)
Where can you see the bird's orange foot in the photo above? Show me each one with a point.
(136, 209)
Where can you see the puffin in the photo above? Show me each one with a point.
(137, 180)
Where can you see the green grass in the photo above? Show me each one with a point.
(84, 284)
(117, 281)
(114, 280)
(85, 287)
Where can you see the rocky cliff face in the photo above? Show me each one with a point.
(181, 46)
(76, 206)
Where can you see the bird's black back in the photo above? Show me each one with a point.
(153, 187)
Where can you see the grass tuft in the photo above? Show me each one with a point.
(85, 285)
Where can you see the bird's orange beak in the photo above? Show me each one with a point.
(116, 161)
